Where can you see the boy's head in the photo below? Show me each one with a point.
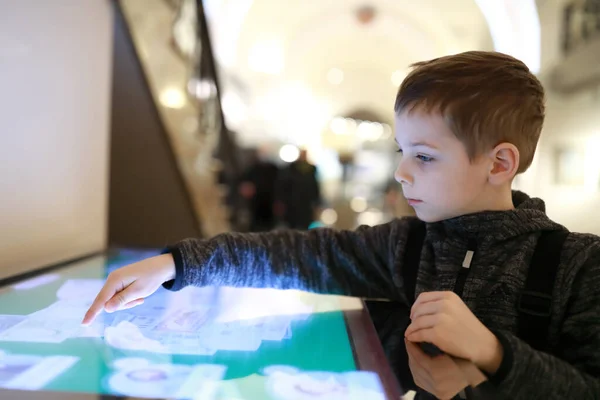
(466, 124)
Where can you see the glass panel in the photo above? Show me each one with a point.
(211, 342)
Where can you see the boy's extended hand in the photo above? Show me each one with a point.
(128, 286)
(441, 318)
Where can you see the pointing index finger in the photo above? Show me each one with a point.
(106, 293)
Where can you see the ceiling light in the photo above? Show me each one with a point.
(376, 131)
(202, 88)
(289, 153)
(364, 130)
(339, 126)
(172, 98)
(335, 76)
(329, 216)
(370, 217)
(358, 204)
(387, 131)
(351, 125)
(267, 57)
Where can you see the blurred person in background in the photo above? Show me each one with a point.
(257, 187)
(299, 194)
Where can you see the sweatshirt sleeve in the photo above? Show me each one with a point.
(355, 263)
(574, 373)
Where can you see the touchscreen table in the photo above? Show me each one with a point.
(202, 343)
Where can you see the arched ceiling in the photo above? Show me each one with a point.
(276, 57)
(288, 68)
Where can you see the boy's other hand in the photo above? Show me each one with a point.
(128, 286)
(443, 319)
(439, 375)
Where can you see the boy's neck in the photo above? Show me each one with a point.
(500, 199)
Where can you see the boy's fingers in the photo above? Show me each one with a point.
(120, 299)
(107, 291)
(420, 375)
(414, 351)
(410, 346)
(422, 335)
(428, 308)
(429, 296)
(419, 358)
(132, 304)
(423, 322)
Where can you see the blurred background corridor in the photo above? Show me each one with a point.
(141, 122)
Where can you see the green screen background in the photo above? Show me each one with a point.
(319, 343)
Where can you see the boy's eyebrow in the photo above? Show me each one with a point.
(419, 143)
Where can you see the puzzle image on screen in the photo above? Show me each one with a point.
(21, 371)
(197, 321)
(208, 342)
(141, 378)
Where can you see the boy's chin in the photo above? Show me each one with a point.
(425, 217)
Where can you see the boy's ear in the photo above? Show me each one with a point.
(505, 163)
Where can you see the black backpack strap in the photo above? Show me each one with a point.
(535, 303)
(412, 257)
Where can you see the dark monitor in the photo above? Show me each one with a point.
(200, 343)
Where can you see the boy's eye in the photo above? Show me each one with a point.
(399, 151)
(424, 158)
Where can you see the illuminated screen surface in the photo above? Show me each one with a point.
(205, 343)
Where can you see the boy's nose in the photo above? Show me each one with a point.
(402, 176)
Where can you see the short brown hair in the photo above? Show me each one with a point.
(486, 98)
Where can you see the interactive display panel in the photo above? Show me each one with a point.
(201, 343)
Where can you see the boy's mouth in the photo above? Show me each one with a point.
(413, 202)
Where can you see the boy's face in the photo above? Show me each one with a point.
(438, 179)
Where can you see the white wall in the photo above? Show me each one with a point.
(55, 66)
(571, 121)
(550, 13)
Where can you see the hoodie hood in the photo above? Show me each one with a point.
(529, 215)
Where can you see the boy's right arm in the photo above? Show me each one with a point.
(355, 263)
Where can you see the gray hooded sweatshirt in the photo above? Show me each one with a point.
(367, 262)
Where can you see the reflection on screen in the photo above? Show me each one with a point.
(21, 371)
(193, 321)
(289, 383)
(138, 377)
(204, 343)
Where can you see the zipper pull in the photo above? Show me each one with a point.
(470, 253)
(468, 259)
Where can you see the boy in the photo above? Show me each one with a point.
(466, 124)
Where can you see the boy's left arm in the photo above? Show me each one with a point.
(516, 369)
(575, 372)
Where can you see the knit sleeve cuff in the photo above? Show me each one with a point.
(507, 360)
(178, 282)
